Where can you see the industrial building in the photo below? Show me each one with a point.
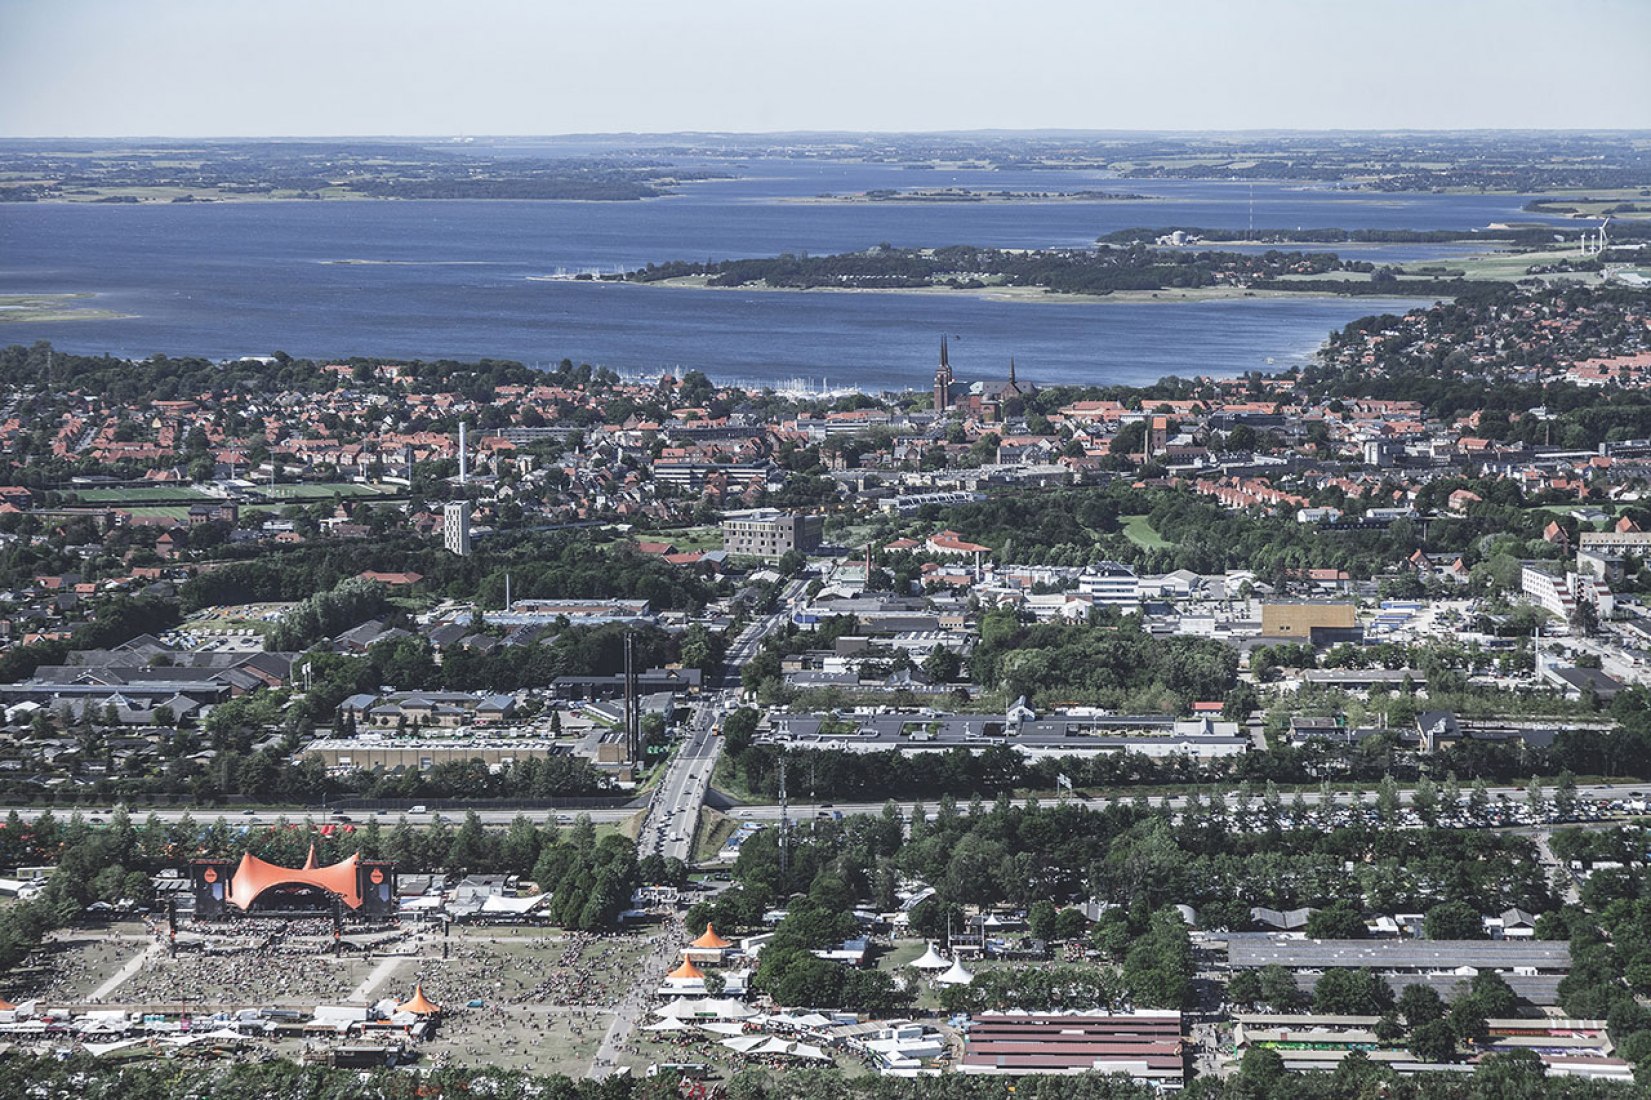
(1321, 622)
(1033, 737)
(1538, 956)
(1145, 1045)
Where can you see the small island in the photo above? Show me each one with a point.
(1136, 270)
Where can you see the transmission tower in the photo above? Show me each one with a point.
(785, 825)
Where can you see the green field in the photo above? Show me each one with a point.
(711, 833)
(326, 491)
(1138, 529)
(136, 495)
(178, 512)
(1510, 266)
(687, 539)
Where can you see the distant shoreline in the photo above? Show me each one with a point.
(1020, 293)
(946, 196)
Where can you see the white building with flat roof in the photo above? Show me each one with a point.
(1111, 584)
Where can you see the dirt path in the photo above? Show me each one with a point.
(651, 972)
(381, 973)
(124, 974)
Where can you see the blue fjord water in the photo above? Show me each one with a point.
(467, 279)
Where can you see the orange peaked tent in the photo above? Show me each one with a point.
(710, 941)
(6, 1006)
(687, 972)
(419, 1004)
(253, 876)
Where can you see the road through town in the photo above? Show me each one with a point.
(673, 816)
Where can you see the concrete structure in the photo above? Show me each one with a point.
(649, 682)
(1036, 738)
(1318, 622)
(577, 612)
(424, 753)
(455, 527)
(770, 534)
(1560, 594)
(1616, 542)
(1539, 956)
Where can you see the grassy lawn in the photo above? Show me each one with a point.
(138, 494)
(629, 828)
(689, 539)
(178, 512)
(1507, 265)
(711, 834)
(1138, 529)
(326, 491)
(894, 962)
(1609, 507)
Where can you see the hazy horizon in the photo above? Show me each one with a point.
(1025, 131)
(121, 69)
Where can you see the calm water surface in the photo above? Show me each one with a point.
(465, 279)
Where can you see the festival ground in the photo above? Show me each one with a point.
(528, 998)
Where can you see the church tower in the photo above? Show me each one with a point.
(943, 381)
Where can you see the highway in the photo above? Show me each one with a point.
(673, 812)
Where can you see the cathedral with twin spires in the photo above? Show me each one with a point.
(992, 401)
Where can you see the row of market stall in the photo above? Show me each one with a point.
(899, 1047)
(103, 1031)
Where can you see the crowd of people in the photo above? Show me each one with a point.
(515, 994)
(68, 970)
(249, 978)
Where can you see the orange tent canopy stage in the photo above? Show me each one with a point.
(253, 876)
(710, 941)
(6, 1006)
(686, 972)
(419, 1004)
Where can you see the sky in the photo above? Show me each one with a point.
(255, 68)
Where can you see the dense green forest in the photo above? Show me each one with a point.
(1261, 1077)
(542, 565)
(593, 879)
